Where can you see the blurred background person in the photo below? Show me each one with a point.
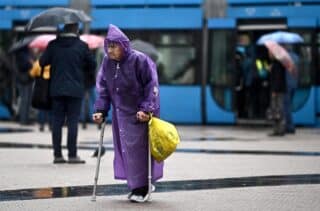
(44, 116)
(24, 59)
(70, 59)
(278, 87)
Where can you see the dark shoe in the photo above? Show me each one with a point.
(291, 131)
(103, 151)
(276, 134)
(59, 160)
(76, 160)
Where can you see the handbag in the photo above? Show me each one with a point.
(163, 138)
(41, 93)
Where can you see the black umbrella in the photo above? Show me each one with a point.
(21, 43)
(146, 48)
(55, 16)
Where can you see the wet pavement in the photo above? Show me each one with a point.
(214, 168)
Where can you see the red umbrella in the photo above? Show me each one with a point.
(94, 41)
(281, 55)
(41, 41)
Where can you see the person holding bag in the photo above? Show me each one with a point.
(71, 61)
(128, 81)
(41, 101)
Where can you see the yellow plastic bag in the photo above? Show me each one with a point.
(163, 137)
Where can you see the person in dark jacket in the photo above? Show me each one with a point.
(278, 87)
(70, 60)
(24, 60)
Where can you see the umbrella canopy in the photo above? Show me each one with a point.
(281, 55)
(41, 42)
(24, 42)
(55, 16)
(93, 41)
(281, 37)
(146, 48)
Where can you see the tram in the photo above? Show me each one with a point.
(244, 22)
(198, 44)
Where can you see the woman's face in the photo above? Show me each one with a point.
(115, 51)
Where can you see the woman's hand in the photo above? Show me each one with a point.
(98, 117)
(142, 116)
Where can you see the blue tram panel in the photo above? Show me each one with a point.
(144, 2)
(148, 18)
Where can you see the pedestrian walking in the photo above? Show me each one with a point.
(70, 60)
(278, 87)
(128, 81)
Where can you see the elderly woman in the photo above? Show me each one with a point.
(128, 81)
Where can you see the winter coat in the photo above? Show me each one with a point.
(70, 60)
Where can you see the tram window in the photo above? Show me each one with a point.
(318, 60)
(304, 53)
(220, 67)
(178, 64)
(177, 59)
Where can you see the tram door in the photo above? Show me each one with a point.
(251, 94)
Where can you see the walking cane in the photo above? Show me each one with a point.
(98, 162)
(149, 172)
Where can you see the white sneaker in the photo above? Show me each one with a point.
(138, 198)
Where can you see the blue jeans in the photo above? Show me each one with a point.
(287, 105)
(65, 109)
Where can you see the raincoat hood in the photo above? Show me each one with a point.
(116, 35)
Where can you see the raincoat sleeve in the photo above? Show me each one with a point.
(103, 101)
(148, 74)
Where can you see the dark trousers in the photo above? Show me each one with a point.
(25, 91)
(279, 121)
(65, 109)
(288, 109)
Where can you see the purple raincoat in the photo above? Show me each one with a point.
(129, 85)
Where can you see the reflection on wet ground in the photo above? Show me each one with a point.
(14, 130)
(193, 139)
(179, 150)
(170, 186)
